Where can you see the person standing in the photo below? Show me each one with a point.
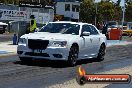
(33, 24)
(105, 30)
(98, 26)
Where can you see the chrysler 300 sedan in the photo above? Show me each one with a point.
(67, 41)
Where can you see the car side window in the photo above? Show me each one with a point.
(74, 29)
(86, 28)
(93, 30)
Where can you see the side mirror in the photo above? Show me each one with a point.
(85, 33)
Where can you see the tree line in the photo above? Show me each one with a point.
(104, 11)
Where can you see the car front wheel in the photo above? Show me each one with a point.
(73, 55)
(101, 53)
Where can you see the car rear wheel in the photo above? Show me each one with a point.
(101, 53)
(73, 55)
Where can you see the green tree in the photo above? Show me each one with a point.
(15, 2)
(2, 1)
(128, 13)
(87, 11)
(106, 10)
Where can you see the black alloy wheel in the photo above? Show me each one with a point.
(73, 55)
(101, 53)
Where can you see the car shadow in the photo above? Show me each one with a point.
(87, 61)
(54, 64)
(43, 63)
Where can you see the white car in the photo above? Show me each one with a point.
(69, 41)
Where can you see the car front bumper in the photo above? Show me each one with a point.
(50, 53)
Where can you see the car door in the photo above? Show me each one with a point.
(86, 40)
(95, 37)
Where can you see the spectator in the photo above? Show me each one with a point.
(98, 26)
(105, 28)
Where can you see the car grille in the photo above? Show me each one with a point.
(37, 54)
(37, 44)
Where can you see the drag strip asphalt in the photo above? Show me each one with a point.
(41, 74)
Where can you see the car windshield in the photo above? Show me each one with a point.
(64, 28)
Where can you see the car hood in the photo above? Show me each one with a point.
(48, 36)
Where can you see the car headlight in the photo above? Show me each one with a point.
(59, 43)
(22, 41)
